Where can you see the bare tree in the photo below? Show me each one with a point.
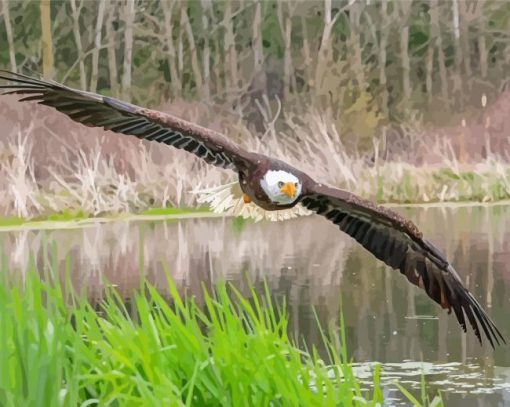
(204, 48)
(404, 12)
(356, 45)
(466, 54)
(185, 23)
(324, 54)
(8, 31)
(46, 39)
(258, 50)
(180, 54)
(206, 55)
(176, 84)
(129, 18)
(112, 57)
(306, 53)
(457, 73)
(286, 29)
(482, 47)
(76, 11)
(438, 43)
(97, 46)
(383, 44)
(218, 67)
(230, 47)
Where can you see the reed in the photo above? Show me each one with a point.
(57, 349)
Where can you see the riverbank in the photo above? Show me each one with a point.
(115, 174)
(68, 221)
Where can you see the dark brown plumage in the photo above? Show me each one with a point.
(388, 236)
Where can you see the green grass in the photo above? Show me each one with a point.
(173, 211)
(12, 221)
(403, 183)
(65, 216)
(69, 216)
(58, 350)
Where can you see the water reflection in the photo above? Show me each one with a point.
(310, 262)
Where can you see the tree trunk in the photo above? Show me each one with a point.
(206, 56)
(230, 47)
(404, 55)
(404, 13)
(180, 56)
(458, 94)
(112, 57)
(466, 54)
(97, 46)
(129, 18)
(324, 54)
(77, 39)
(306, 54)
(8, 31)
(258, 50)
(382, 56)
(436, 34)
(46, 39)
(356, 46)
(456, 20)
(172, 55)
(429, 69)
(218, 67)
(185, 23)
(482, 50)
(286, 30)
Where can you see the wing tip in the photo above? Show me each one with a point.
(466, 307)
(476, 315)
(22, 82)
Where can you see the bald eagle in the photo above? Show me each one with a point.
(273, 185)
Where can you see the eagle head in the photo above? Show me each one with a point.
(281, 187)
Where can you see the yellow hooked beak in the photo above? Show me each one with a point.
(289, 189)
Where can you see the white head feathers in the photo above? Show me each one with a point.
(272, 183)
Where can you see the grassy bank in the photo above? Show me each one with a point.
(389, 183)
(61, 219)
(115, 174)
(56, 349)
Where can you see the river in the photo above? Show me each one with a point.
(311, 264)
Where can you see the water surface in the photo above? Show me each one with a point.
(311, 263)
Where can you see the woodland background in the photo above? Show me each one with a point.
(376, 96)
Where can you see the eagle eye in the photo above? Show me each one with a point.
(280, 184)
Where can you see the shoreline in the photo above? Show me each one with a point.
(45, 224)
(446, 204)
(88, 222)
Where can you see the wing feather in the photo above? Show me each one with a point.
(397, 242)
(94, 110)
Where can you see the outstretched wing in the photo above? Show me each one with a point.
(95, 110)
(398, 243)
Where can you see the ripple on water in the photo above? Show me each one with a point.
(453, 378)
